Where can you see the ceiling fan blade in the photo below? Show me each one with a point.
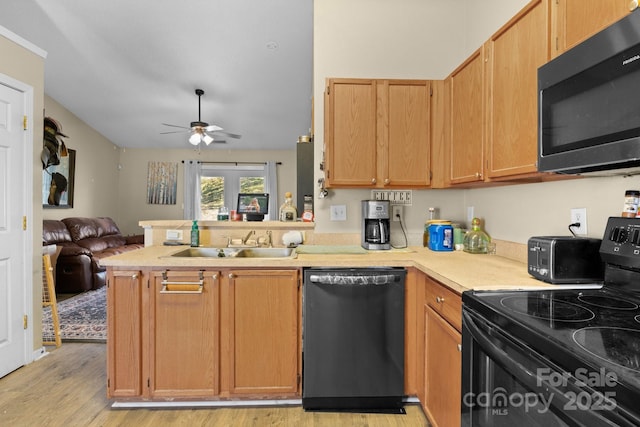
(212, 128)
(229, 134)
(175, 131)
(176, 126)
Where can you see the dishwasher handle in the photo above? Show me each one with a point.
(354, 279)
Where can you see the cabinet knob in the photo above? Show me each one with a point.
(373, 180)
(215, 276)
(460, 347)
(231, 275)
(439, 300)
(387, 181)
(134, 276)
(478, 175)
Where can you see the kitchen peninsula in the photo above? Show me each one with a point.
(217, 330)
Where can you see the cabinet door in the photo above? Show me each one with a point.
(575, 20)
(350, 132)
(403, 132)
(514, 54)
(263, 332)
(466, 133)
(124, 333)
(443, 372)
(184, 332)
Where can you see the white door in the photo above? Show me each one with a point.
(13, 191)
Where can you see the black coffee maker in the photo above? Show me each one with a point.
(375, 224)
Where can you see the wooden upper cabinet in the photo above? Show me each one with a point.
(575, 20)
(350, 132)
(403, 133)
(513, 56)
(377, 133)
(466, 124)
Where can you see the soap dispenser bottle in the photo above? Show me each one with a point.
(195, 234)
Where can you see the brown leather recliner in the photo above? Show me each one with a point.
(84, 241)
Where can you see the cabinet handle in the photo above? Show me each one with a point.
(478, 175)
(182, 287)
(215, 276)
(231, 275)
(460, 347)
(373, 180)
(134, 276)
(439, 300)
(169, 287)
(387, 181)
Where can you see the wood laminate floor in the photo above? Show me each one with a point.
(68, 388)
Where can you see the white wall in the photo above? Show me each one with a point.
(132, 201)
(96, 174)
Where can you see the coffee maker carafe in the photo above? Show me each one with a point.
(375, 224)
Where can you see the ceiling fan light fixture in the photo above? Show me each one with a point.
(195, 139)
(207, 139)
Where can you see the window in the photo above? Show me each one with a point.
(220, 185)
(209, 186)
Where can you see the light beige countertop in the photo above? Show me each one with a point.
(458, 270)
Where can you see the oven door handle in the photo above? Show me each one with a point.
(559, 398)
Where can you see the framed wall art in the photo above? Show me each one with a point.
(57, 182)
(162, 181)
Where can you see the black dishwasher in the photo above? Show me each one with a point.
(353, 338)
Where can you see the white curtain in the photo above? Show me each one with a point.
(271, 187)
(191, 189)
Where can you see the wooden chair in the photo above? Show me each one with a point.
(49, 298)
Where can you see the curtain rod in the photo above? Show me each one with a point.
(232, 163)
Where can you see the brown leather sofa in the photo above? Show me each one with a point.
(84, 242)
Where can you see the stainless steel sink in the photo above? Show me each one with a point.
(237, 253)
(207, 253)
(267, 253)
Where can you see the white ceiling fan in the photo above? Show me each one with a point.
(202, 131)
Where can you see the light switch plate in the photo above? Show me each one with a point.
(338, 212)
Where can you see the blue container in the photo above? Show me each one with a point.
(440, 237)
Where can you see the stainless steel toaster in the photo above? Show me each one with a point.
(565, 259)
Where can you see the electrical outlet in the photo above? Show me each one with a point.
(396, 212)
(174, 235)
(338, 212)
(579, 215)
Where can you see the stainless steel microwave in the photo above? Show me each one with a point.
(589, 104)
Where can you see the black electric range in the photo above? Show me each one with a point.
(563, 339)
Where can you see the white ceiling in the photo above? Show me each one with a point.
(124, 67)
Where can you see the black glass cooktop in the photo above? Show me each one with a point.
(593, 327)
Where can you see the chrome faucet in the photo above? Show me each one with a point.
(268, 241)
(244, 241)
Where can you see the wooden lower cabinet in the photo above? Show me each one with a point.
(441, 400)
(261, 347)
(124, 333)
(184, 334)
(203, 334)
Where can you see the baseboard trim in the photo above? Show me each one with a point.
(222, 403)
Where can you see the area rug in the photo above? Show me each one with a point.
(82, 318)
